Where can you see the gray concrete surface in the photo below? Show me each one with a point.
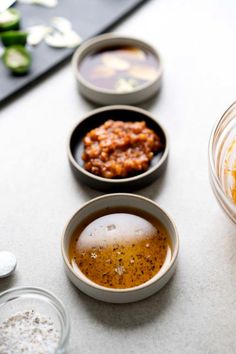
(196, 312)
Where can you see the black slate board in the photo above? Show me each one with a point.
(88, 18)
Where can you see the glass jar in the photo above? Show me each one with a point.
(20, 299)
(222, 161)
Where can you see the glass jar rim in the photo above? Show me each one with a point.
(211, 158)
(51, 299)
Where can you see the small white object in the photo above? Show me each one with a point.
(47, 3)
(69, 40)
(5, 4)
(55, 40)
(1, 51)
(112, 61)
(63, 36)
(7, 263)
(94, 255)
(125, 85)
(6, 16)
(73, 39)
(61, 24)
(120, 270)
(37, 33)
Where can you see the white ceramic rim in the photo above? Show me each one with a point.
(156, 278)
(102, 39)
(120, 180)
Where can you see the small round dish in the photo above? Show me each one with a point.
(113, 295)
(8, 263)
(21, 299)
(222, 161)
(123, 93)
(94, 119)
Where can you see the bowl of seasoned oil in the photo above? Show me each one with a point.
(120, 248)
(111, 69)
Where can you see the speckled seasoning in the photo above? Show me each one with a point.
(28, 332)
(120, 250)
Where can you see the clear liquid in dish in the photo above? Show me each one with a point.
(121, 249)
(120, 69)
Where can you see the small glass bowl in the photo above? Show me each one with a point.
(28, 298)
(222, 161)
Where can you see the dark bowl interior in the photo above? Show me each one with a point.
(94, 121)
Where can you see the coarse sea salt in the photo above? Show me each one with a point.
(28, 332)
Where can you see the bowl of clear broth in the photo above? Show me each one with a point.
(117, 70)
(120, 248)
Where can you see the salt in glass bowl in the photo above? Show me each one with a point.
(23, 299)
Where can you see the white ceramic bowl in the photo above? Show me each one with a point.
(129, 294)
(105, 96)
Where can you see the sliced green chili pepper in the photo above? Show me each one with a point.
(17, 58)
(13, 37)
(10, 20)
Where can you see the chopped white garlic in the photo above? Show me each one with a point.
(125, 85)
(61, 24)
(112, 61)
(69, 40)
(37, 33)
(73, 39)
(102, 71)
(143, 72)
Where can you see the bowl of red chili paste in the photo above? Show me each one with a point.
(118, 148)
